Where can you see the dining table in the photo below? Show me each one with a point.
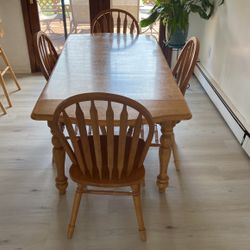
(124, 64)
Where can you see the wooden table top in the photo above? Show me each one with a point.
(118, 64)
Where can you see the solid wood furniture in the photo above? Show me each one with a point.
(139, 71)
(47, 54)
(7, 68)
(182, 72)
(2, 107)
(115, 21)
(110, 160)
(185, 64)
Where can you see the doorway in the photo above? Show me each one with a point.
(59, 18)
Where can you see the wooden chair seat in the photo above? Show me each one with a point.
(136, 175)
(76, 175)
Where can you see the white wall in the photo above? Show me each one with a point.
(225, 53)
(14, 41)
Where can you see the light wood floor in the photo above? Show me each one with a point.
(206, 206)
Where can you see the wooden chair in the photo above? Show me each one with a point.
(182, 72)
(7, 69)
(2, 107)
(47, 55)
(184, 67)
(115, 21)
(108, 161)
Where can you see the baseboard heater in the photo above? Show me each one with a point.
(240, 130)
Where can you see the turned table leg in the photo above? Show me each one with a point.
(164, 154)
(59, 159)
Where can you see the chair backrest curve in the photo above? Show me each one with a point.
(115, 21)
(113, 155)
(47, 54)
(184, 67)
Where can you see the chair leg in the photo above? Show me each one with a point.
(3, 109)
(138, 210)
(14, 78)
(6, 61)
(175, 153)
(76, 204)
(2, 83)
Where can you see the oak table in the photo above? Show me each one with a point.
(121, 64)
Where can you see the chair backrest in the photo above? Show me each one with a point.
(47, 54)
(103, 156)
(115, 21)
(184, 67)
